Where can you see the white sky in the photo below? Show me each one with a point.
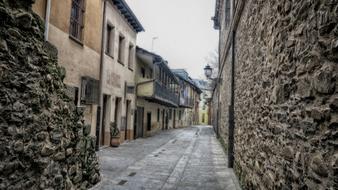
(184, 29)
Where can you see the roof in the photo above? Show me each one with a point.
(183, 75)
(128, 14)
(216, 17)
(153, 58)
(203, 84)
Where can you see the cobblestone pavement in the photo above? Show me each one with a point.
(181, 159)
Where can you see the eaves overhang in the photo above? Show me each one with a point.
(128, 14)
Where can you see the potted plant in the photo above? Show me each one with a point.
(114, 135)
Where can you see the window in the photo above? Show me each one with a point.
(131, 57)
(203, 117)
(158, 115)
(227, 13)
(150, 74)
(143, 72)
(110, 40)
(149, 121)
(76, 19)
(76, 95)
(121, 49)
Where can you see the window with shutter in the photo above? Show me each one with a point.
(76, 19)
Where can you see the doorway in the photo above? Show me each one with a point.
(149, 121)
(127, 119)
(117, 113)
(163, 120)
(174, 119)
(104, 118)
(166, 120)
(138, 125)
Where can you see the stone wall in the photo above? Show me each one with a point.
(43, 141)
(286, 97)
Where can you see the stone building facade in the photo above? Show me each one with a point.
(278, 93)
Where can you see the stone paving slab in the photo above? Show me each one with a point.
(181, 159)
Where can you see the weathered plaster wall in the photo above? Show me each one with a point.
(286, 98)
(44, 143)
(152, 108)
(78, 60)
(60, 18)
(116, 74)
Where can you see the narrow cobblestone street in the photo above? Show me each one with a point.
(190, 158)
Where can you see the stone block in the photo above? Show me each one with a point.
(323, 81)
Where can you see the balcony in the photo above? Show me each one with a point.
(155, 91)
(186, 102)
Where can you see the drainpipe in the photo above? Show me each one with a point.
(99, 108)
(231, 137)
(47, 15)
(232, 107)
(218, 83)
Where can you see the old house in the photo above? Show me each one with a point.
(204, 105)
(96, 42)
(157, 94)
(120, 34)
(74, 27)
(189, 98)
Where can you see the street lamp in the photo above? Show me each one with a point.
(216, 81)
(208, 71)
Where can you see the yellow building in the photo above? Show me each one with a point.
(204, 106)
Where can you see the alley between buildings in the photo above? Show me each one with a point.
(188, 158)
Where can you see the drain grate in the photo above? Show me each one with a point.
(132, 174)
(122, 182)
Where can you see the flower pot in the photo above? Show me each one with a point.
(115, 141)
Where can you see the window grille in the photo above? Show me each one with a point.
(76, 19)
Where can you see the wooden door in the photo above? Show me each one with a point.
(139, 122)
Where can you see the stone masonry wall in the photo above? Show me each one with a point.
(43, 141)
(286, 97)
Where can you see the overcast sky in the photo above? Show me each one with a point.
(184, 29)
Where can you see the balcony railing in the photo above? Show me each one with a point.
(165, 94)
(187, 102)
(157, 92)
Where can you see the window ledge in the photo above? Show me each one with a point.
(108, 54)
(119, 61)
(76, 40)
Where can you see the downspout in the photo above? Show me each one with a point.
(47, 15)
(232, 107)
(99, 111)
(231, 137)
(217, 83)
